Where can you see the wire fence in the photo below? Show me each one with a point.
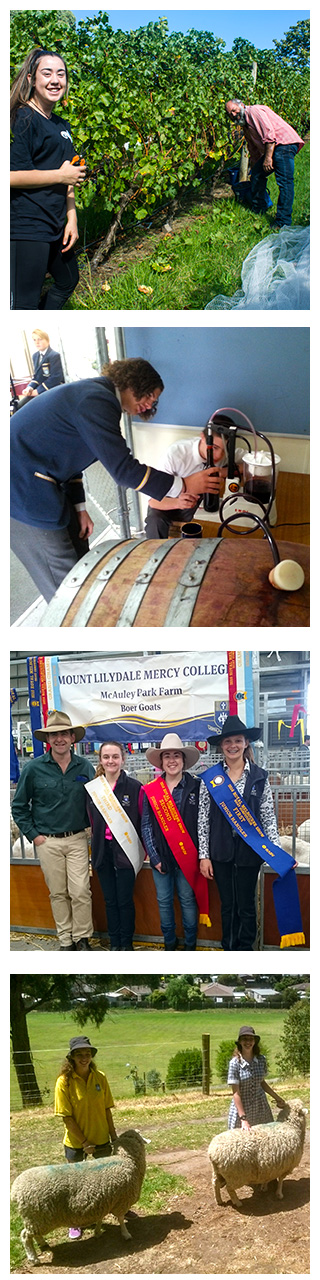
(132, 1072)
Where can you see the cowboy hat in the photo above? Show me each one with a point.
(232, 726)
(171, 742)
(80, 1042)
(57, 721)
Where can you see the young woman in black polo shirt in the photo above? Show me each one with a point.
(43, 214)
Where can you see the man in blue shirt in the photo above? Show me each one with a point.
(50, 808)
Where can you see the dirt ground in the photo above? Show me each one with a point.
(193, 1235)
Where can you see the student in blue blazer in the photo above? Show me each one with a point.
(51, 447)
(47, 365)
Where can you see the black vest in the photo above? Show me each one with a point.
(225, 844)
(127, 792)
(189, 813)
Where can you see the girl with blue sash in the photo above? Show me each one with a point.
(234, 864)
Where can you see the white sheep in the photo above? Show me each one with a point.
(256, 1156)
(301, 851)
(304, 830)
(80, 1194)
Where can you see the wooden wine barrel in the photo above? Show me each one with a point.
(180, 583)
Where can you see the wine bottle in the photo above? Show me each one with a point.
(210, 500)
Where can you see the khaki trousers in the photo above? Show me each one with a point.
(65, 865)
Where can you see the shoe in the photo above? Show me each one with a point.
(82, 945)
(71, 948)
(114, 948)
(75, 1233)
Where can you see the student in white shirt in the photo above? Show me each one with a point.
(186, 458)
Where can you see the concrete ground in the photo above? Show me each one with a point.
(48, 942)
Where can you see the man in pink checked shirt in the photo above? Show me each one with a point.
(272, 146)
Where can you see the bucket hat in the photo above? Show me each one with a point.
(233, 725)
(247, 1031)
(56, 722)
(171, 742)
(80, 1042)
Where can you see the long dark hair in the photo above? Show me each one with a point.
(136, 375)
(23, 87)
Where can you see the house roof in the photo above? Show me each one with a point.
(216, 989)
(264, 991)
(130, 991)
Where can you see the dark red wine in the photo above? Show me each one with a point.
(258, 487)
(210, 500)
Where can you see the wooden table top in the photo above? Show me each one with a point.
(293, 512)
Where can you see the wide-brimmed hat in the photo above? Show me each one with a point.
(247, 1031)
(233, 725)
(171, 742)
(56, 722)
(80, 1042)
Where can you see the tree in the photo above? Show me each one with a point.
(295, 1040)
(57, 993)
(21, 1051)
(245, 52)
(295, 46)
(185, 1068)
(223, 1055)
(178, 993)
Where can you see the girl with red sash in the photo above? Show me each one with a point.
(192, 801)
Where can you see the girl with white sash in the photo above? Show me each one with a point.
(117, 853)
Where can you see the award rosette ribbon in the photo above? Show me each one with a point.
(184, 850)
(119, 822)
(242, 820)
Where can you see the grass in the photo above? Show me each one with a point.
(187, 268)
(145, 1038)
(172, 1122)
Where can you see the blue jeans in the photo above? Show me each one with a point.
(165, 887)
(283, 167)
(75, 1155)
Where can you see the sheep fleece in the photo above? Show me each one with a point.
(265, 1152)
(80, 1194)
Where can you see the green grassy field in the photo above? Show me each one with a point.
(185, 270)
(144, 1038)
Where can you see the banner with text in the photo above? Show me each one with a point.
(141, 699)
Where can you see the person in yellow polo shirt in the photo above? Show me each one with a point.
(83, 1098)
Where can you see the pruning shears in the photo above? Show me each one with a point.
(78, 160)
(93, 172)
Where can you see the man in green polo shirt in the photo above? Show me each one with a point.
(50, 808)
